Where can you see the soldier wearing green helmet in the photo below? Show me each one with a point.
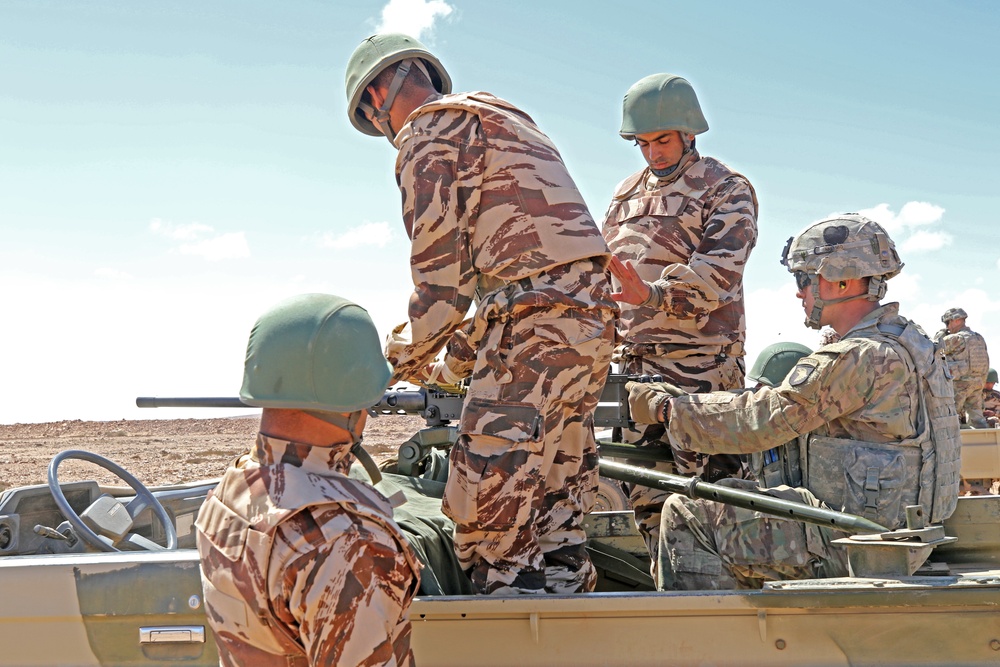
(968, 361)
(283, 535)
(680, 230)
(496, 224)
(872, 419)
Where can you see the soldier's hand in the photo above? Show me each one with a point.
(646, 399)
(634, 290)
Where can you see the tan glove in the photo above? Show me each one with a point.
(645, 400)
(397, 339)
(440, 375)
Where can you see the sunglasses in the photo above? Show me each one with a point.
(802, 279)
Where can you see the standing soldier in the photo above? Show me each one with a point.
(302, 565)
(968, 362)
(877, 406)
(493, 214)
(680, 230)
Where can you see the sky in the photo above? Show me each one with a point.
(170, 170)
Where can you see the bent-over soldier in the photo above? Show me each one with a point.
(302, 565)
(494, 216)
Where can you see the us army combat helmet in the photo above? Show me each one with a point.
(992, 375)
(846, 247)
(376, 54)
(660, 103)
(315, 352)
(775, 361)
(953, 314)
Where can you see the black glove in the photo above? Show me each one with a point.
(645, 400)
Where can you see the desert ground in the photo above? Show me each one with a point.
(156, 451)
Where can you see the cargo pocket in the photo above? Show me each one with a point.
(874, 484)
(495, 466)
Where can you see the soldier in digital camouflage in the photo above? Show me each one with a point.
(494, 219)
(968, 361)
(991, 411)
(680, 231)
(300, 564)
(877, 408)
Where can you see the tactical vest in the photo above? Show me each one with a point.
(531, 216)
(246, 541)
(878, 480)
(979, 358)
(637, 216)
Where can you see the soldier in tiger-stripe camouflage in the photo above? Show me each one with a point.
(300, 564)
(681, 231)
(494, 217)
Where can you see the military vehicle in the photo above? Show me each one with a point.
(108, 575)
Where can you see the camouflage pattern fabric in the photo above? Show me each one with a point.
(712, 546)
(303, 566)
(718, 374)
(691, 233)
(487, 201)
(850, 393)
(493, 214)
(968, 361)
(991, 406)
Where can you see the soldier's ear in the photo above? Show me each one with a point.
(843, 285)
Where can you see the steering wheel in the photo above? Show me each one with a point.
(117, 525)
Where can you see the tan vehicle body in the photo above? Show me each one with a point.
(145, 608)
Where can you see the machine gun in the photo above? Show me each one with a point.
(425, 454)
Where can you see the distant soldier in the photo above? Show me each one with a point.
(991, 399)
(877, 406)
(968, 362)
(493, 214)
(681, 230)
(302, 565)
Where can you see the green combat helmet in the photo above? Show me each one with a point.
(847, 247)
(953, 314)
(376, 54)
(660, 103)
(775, 361)
(315, 352)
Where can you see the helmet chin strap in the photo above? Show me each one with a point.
(349, 422)
(381, 115)
(688, 145)
(876, 290)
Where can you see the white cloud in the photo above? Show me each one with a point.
(413, 17)
(368, 234)
(924, 241)
(225, 246)
(913, 214)
(188, 232)
(113, 274)
(202, 241)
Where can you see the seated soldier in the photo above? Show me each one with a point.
(302, 565)
(878, 407)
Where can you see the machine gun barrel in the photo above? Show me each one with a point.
(695, 488)
(190, 402)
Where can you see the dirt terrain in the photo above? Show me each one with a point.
(156, 451)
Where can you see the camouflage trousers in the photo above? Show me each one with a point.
(969, 402)
(523, 472)
(693, 374)
(705, 545)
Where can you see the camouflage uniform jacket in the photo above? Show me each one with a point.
(691, 233)
(853, 395)
(487, 201)
(300, 561)
(966, 353)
